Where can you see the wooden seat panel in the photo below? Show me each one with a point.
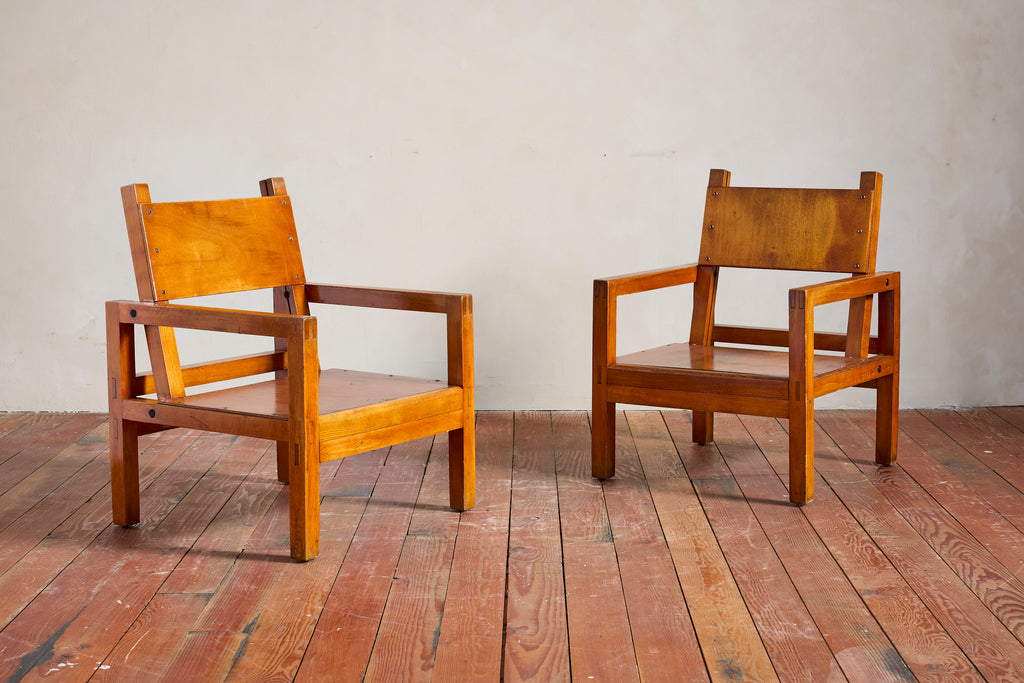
(340, 391)
(761, 362)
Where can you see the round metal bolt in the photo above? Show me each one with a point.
(157, 250)
(133, 313)
(152, 413)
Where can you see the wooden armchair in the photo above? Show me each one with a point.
(188, 249)
(832, 231)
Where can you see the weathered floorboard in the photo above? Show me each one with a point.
(688, 565)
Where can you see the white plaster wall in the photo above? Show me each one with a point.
(515, 150)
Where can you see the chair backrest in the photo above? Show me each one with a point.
(791, 229)
(824, 230)
(189, 249)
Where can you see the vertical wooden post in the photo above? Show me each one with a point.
(702, 323)
(303, 427)
(462, 442)
(801, 398)
(290, 301)
(858, 326)
(163, 349)
(124, 435)
(602, 427)
(887, 388)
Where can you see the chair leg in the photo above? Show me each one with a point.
(801, 452)
(124, 471)
(283, 449)
(886, 420)
(602, 433)
(462, 467)
(703, 426)
(304, 501)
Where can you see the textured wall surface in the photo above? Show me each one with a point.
(514, 150)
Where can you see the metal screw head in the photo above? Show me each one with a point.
(707, 258)
(284, 203)
(711, 227)
(856, 265)
(157, 250)
(714, 194)
(863, 196)
(150, 212)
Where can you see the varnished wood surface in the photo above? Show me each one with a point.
(340, 390)
(730, 360)
(746, 226)
(765, 228)
(242, 244)
(190, 249)
(689, 565)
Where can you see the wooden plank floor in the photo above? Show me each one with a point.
(687, 566)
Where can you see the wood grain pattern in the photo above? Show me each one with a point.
(894, 573)
(732, 648)
(994, 651)
(471, 641)
(537, 641)
(240, 244)
(750, 227)
(664, 641)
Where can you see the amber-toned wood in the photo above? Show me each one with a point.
(190, 249)
(824, 230)
(750, 227)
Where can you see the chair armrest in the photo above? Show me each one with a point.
(606, 292)
(298, 331)
(649, 280)
(802, 301)
(846, 288)
(457, 307)
(377, 297)
(206, 318)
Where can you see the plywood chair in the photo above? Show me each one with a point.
(189, 249)
(725, 368)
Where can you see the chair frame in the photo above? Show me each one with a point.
(304, 436)
(783, 389)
